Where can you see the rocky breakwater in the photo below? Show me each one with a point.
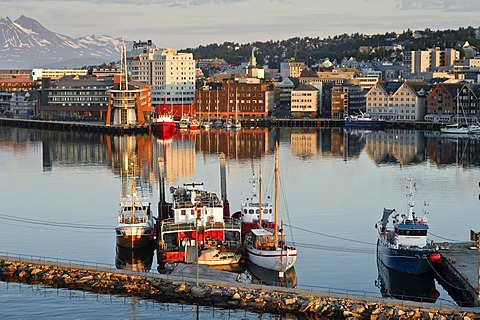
(220, 294)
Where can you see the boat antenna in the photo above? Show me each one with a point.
(411, 203)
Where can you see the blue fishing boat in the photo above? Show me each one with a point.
(403, 246)
(363, 120)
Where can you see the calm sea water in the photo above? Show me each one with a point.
(60, 194)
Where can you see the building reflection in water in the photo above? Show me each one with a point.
(406, 286)
(304, 142)
(139, 259)
(388, 147)
(453, 150)
(235, 144)
(402, 147)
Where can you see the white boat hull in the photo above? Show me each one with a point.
(214, 257)
(277, 260)
(134, 236)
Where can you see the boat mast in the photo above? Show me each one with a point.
(133, 191)
(236, 105)
(260, 215)
(276, 197)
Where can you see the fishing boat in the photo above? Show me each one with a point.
(184, 123)
(363, 120)
(194, 124)
(164, 126)
(267, 247)
(249, 212)
(197, 227)
(134, 259)
(406, 286)
(135, 228)
(403, 246)
(261, 275)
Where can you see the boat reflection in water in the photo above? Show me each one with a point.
(271, 277)
(137, 259)
(406, 286)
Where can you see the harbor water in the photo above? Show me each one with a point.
(60, 198)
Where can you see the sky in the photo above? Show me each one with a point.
(184, 24)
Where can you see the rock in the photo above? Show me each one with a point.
(84, 279)
(182, 287)
(236, 296)
(290, 301)
(358, 309)
(35, 271)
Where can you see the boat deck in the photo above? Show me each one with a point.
(227, 225)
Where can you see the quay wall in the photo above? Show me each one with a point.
(296, 303)
(75, 126)
(246, 123)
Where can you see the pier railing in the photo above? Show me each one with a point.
(300, 289)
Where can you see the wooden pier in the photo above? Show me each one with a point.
(459, 271)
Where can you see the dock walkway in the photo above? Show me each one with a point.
(220, 293)
(459, 270)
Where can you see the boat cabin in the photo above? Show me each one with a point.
(191, 203)
(134, 212)
(251, 212)
(411, 234)
(262, 239)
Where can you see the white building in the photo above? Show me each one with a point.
(23, 105)
(55, 74)
(397, 100)
(171, 74)
(304, 101)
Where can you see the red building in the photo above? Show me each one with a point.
(231, 99)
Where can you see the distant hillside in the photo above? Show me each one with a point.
(25, 43)
(313, 50)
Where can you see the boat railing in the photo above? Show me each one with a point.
(171, 225)
(133, 219)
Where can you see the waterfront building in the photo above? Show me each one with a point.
(5, 98)
(348, 98)
(397, 100)
(458, 102)
(304, 101)
(76, 98)
(24, 104)
(129, 102)
(245, 99)
(283, 91)
(170, 74)
(441, 101)
(55, 74)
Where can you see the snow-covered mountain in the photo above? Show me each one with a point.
(25, 43)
